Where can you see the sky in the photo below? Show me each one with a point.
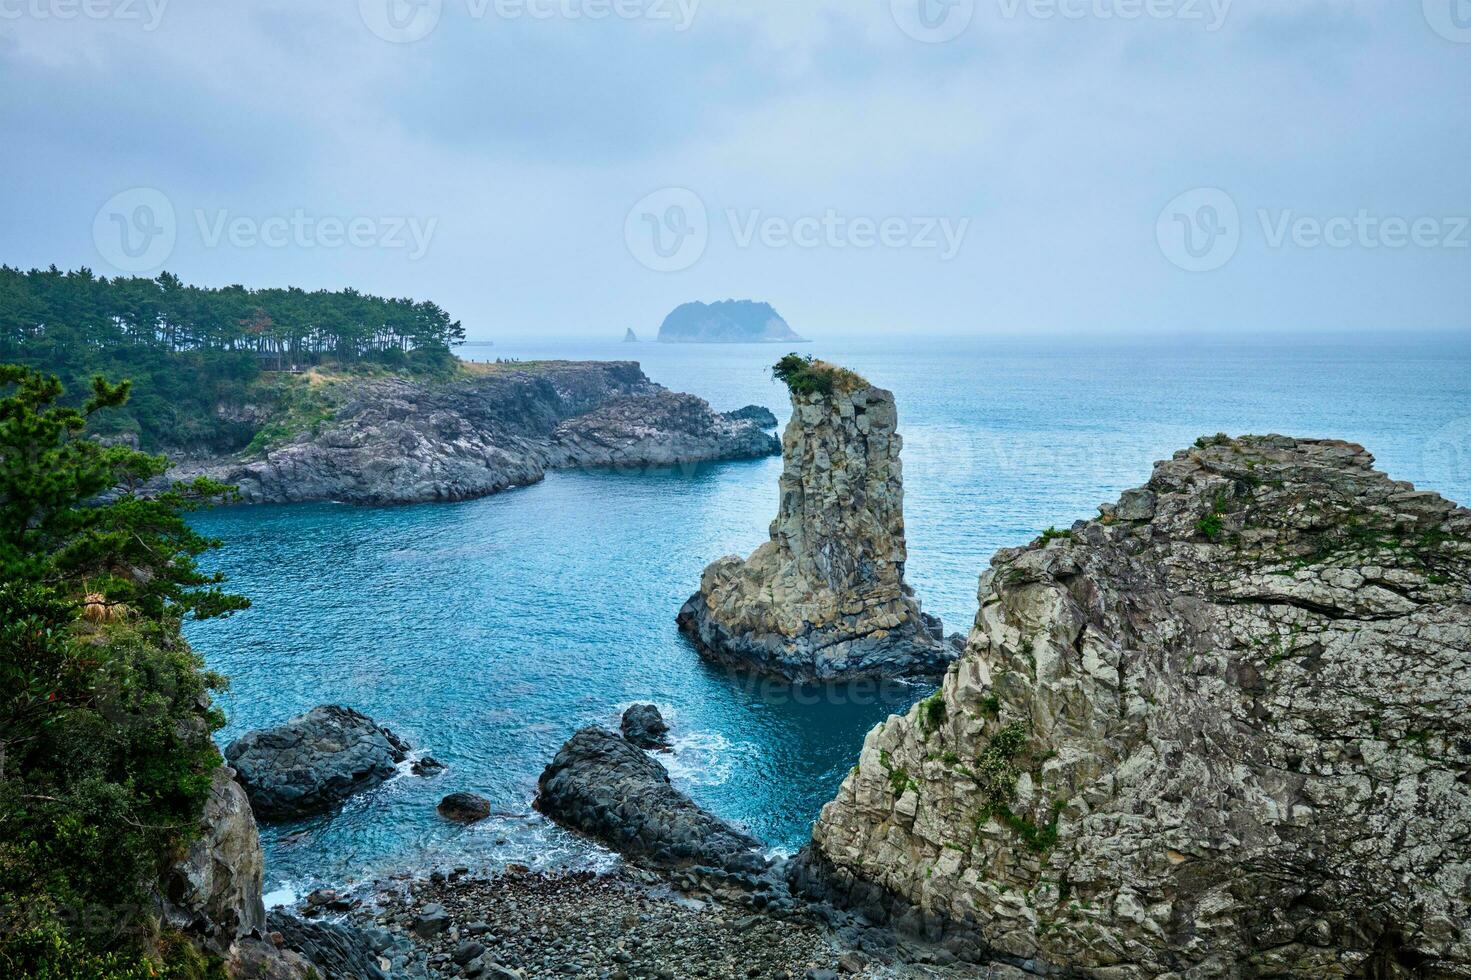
(572, 168)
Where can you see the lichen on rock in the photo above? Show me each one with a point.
(825, 598)
(1222, 730)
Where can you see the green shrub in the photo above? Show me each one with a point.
(105, 748)
(809, 376)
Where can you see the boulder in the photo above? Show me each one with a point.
(825, 598)
(464, 807)
(602, 786)
(313, 762)
(1222, 731)
(645, 727)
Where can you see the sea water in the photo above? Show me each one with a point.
(486, 632)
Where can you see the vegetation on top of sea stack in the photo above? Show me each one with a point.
(105, 748)
(809, 376)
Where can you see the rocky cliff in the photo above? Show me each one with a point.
(1223, 730)
(395, 440)
(825, 597)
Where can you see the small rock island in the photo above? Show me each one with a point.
(825, 598)
(730, 321)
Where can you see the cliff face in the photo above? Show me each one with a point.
(402, 441)
(825, 597)
(1224, 730)
(726, 322)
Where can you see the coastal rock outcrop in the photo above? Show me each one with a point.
(314, 761)
(660, 428)
(605, 787)
(825, 598)
(729, 321)
(396, 440)
(1223, 730)
(214, 892)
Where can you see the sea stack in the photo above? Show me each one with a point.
(825, 598)
(1222, 730)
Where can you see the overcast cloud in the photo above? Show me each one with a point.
(1060, 166)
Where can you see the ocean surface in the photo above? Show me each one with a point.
(486, 632)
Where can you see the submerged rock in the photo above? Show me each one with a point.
(645, 727)
(601, 785)
(464, 807)
(825, 598)
(314, 761)
(1224, 730)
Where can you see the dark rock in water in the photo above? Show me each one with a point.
(427, 766)
(727, 322)
(660, 428)
(339, 950)
(763, 417)
(464, 807)
(603, 786)
(314, 761)
(645, 727)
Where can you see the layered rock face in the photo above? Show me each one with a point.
(394, 441)
(1224, 730)
(825, 598)
(314, 761)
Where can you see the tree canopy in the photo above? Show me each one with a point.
(191, 349)
(105, 748)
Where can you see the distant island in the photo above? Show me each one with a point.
(727, 322)
(630, 337)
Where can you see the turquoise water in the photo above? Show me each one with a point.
(487, 631)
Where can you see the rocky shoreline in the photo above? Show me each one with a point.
(1221, 730)
(397, 440)
(634, 924)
